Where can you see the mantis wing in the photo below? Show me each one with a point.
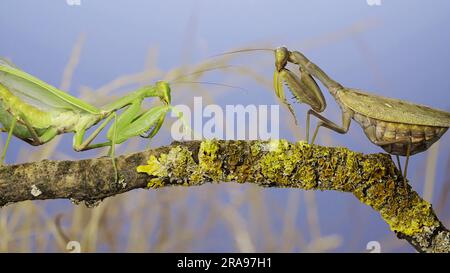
(393, 110)
(39, 93)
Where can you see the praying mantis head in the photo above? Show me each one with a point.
(281, 57)
(163, 91)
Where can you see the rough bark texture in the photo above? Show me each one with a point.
(373, 179)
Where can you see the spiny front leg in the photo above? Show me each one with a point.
(278, 78)
(148, 122)
(304, 89)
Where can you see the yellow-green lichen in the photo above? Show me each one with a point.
(255, 148)
(154, 167)
(272, 164)
(373, 179)
(235, 165)
(179, 166)
(155, 183)
(209, 164)
(287, 164)
(411, 219)
(382, 189)
(177, 163)
(180, 162)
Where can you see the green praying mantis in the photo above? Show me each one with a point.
(399, 127)
(36, 112)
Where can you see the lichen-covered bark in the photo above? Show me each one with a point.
(373, 179)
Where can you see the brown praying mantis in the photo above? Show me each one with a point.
(399, 127)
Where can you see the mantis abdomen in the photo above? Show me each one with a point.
(18, 109)
(394, 137)
(30, 123)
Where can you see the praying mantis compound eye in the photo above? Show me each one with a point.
(164, 91)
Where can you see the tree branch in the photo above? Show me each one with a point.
(373, 179)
